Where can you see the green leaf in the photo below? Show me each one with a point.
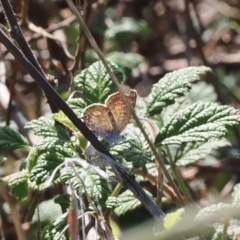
(77, 105)
(126, 61)
(192, 152)
(134, 149)
(218, 212)
(127, 29)
(54, 230)
(201, 91)
(47, 128)
(63, 200)
(46, 164)
(199, 122)
(172, 219)
(62, 118)
(19, 186)
(32, 158)
(127, 202)
(95, 84)
(11, 139)
(96, 187)
(172, 86)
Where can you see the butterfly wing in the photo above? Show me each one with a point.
(98, 118)
(120, 111)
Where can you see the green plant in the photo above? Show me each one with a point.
(184, 129)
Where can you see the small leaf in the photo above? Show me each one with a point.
(127, 29)
(19, 187)
(11, 139)
(193, 151)
(126, 61)
(77, 105)
(95, 84)
(199, 122)
(54, 230)
(47, 128)
(96, 187)
(126, 202)
(134, 149)
(46, 164)
(172, 86)
(62, 118)
(217, 212)
(32, 158)
(172, 218)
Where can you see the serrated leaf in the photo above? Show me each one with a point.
(47, 128)
(111, 202)
(217, 212)
(96, 187)
(54, 230)
(95, 84)
(32, 158)
(172, 86)
(77, 105)
(46, 164)
(134, 149)
(172, 219)
(127, 202)
(199, 122)
(193, 151)
(19, 186)
(11, 139)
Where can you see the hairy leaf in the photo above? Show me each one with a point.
(126, 202)
(194, 151)
(11, 139)
(218, 212)
(54, 230)
(95, 84)
(172, 86)
(199, 122)
(77, 105)
(96, 187)
(48, 128)
(46, 164)
(18, 185)
(134, 149)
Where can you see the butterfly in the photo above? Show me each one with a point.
(109, 120)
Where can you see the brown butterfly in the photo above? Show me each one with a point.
(109, 120)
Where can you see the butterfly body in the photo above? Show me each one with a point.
(109, 120)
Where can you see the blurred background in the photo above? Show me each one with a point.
(147, 39)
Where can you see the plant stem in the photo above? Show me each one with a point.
(181, 183)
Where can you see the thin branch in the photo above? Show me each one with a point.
(114, 79)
